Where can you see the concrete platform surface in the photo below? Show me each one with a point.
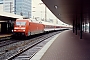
(68, 46)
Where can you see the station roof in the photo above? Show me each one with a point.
(69, 10)
(9, 16)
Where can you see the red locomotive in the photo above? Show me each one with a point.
(25, 27)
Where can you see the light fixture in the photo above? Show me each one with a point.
(58, 14)
(56, 6)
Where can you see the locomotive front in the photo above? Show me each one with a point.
(19, 28)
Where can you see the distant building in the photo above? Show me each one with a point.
(1, 1)
(23, 7)
(8, 6)
(1, 5)
(19, 7)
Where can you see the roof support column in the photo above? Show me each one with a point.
(89, 27)
(76, 25)
(73, 26)
(81, 14)
(85, 26)
(81, 27)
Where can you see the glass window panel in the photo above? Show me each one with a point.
(20, 23)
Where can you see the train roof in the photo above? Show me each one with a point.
(23, 19)
(30, 20)
(41, 22)
(47, 23)
(51, 23)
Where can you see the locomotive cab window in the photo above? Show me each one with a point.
(21, 23)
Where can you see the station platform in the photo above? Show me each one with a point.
(5, 35)
(66, 46)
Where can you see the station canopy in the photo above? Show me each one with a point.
(70, 10)
(4, 16)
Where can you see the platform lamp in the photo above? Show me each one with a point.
(33, 15)
(33, 12)
(21, 12)
(45, 11)
(10, 7)
(28, 14)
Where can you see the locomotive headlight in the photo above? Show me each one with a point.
(14, 30)
(23, 30)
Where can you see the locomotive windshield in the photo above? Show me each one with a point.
(20, 23)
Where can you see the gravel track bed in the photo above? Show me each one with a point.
(10, 50)
(27, 55)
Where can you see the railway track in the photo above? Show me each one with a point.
(4, 38)
(18, 48)
(10, 41)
